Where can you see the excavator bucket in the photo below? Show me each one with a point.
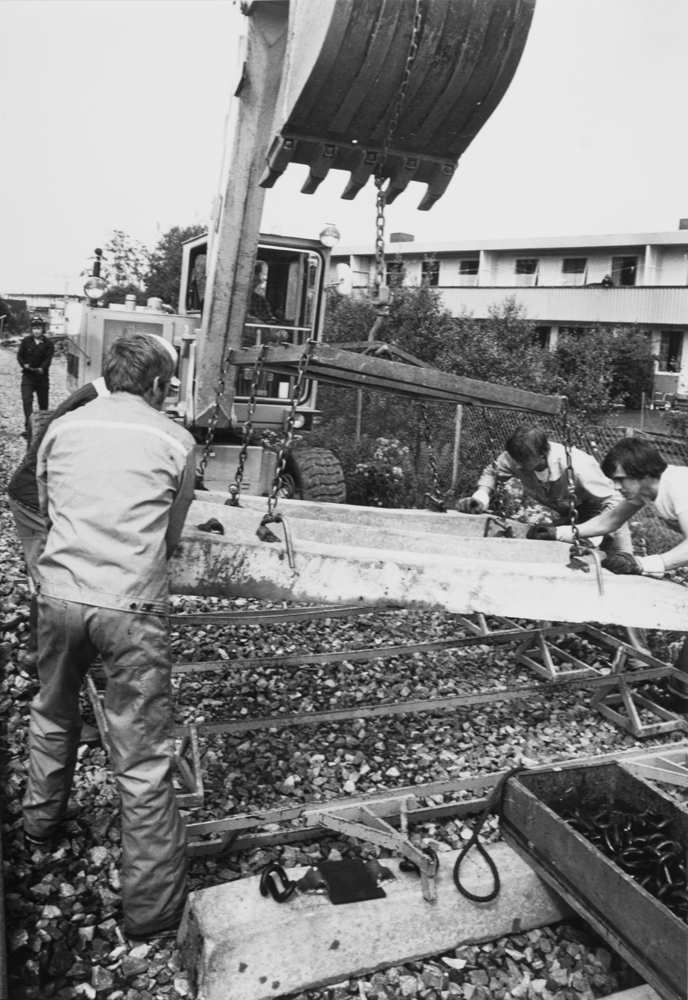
(348, 63)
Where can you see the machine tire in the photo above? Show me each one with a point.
(313, 474)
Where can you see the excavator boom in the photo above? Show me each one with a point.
(322, 84)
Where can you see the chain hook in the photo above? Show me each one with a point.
(288, 437)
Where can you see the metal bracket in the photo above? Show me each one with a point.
(361, 822)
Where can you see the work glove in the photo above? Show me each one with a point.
(469, 505)
(625, 563)
(542, 533)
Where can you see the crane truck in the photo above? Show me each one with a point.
(393, 90)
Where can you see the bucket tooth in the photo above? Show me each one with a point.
(360, 173)
(437, 185)
(320, 165)
(280, 156)
(405, 169)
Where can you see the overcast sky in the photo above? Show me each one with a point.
(112, 116)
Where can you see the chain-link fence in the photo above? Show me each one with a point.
(394, 456)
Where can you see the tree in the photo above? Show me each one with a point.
(164, 274)
(633, 366)
(118, 294)
(502, 349)
(125, 261)
(585, 375)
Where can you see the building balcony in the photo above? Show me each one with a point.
(649, 305)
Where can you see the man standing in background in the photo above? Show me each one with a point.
(34, 356)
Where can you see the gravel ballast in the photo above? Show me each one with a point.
(63, 909)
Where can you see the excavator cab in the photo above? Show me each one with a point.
(285, 307)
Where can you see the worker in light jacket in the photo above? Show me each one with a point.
(540, 465)
(642, 476)
(115, 480)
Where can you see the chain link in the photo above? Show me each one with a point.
(215, 416)
(391, 129)
(570, 476)
(497, 501)
(304, 361)
(235, 488)
(435, 497)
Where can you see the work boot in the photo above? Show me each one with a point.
(27, 660)
(89, 734)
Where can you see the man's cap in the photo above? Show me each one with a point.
(37, 320)
(174, 382)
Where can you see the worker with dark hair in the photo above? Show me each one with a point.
(34, 356)
(115, 481)
(640, 473)
(540, 465)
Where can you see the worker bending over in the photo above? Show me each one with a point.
(642, 477)
(115, 480)
(540, 466)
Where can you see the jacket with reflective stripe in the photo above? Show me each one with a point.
(115, 480)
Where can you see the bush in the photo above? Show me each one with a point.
(502, 349)
(678, 422)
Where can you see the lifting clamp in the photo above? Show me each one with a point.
(361, 822)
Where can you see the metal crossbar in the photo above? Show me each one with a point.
(611, 691)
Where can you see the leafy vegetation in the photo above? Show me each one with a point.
(596, 370)
(165, 263)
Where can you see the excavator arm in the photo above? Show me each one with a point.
(320, 86)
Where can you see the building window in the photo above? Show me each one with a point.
(395, 273)
(670, 350)
(624, 270)
(468, 272)
(542, 336)
(573, 270)
(526, 271)
(430, 272)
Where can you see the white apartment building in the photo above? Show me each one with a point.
(569, 282)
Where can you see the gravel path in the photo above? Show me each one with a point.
(63, 909)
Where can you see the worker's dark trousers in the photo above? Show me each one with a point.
(28, 388)
(138, 710)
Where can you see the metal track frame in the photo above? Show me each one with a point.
(241, 831)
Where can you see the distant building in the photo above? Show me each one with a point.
(638, 279)
(51, 306)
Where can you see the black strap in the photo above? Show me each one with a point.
(493, 804)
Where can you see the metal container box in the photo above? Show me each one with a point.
(635, 924)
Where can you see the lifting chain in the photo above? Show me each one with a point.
(497, 501)
(215, 416)
(435, 499)
(578, 549)
(288, 437)
(570, 480)
(235, 487)
(381, 290)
